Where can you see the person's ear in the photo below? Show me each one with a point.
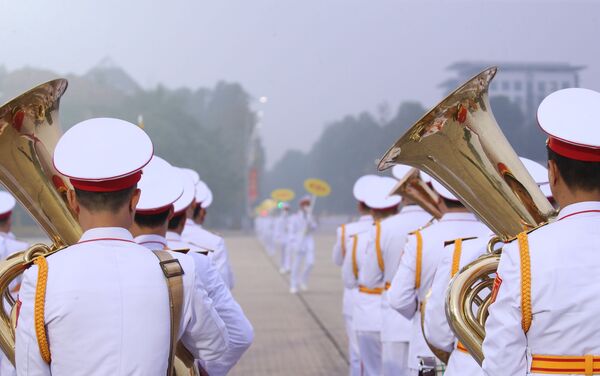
(171, 213)
(553, 173)
(135, 198)
(72, 201)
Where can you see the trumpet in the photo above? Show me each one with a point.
(460, 144)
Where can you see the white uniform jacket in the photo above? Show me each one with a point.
(301, 227)
(394, 232)
(565, 280)
(194, 234)
(403, 295)
(340, 251)
(239, 328)
(366, 315)
(107, 311)
(280, 228)
(436, 326)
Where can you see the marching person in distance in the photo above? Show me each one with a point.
(545, 315)
(340, 252)
(107, 306)
(194, 233)
(8, 246)
(391, 233)
(281, 237)
(413, 280)
(162, 186)
(302, 245)
(367, 306)
(458, 254)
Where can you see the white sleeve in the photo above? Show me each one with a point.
(348, 277)
(241, 333)
(505, 343)
(437, 330)
(337, 248)
(205, 334)
(27, 356)
(402, 295)
(221, 259)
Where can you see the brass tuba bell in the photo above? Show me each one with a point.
(415, 188)
(460, 144)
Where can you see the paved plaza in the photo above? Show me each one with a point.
(295, 334)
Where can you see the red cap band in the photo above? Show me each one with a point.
(154, 211)
(111, 185)
(571, 151)
(6, 215)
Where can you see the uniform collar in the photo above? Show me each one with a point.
(106, 233)
(367, 217)
(411, 209)
(578, 208)
(458, 217)
(151, 241)
(171, 235)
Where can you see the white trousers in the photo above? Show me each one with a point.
(353, 351)
(395, 358)
(369, 344)
(284, 256)
(301, 266)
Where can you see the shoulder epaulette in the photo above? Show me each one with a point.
(431, 221)
(450, 242)
(183, 250)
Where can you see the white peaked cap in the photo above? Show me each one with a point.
(538, 172)
(285, 205)
(305, 198)
(570, 118)
(160, 185)
(545, 188)
(193, 174)
(399, 171)
(7, 204)
(201, 191)
(208, 200)
(361, 187)
(103, 154)
(442, 191)
(379, 194)
(189, 191)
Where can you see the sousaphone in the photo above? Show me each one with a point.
(460, 144)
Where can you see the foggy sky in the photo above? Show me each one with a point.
(316, 60)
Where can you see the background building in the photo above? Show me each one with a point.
(525, 84)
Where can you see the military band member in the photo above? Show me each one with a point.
(107, 308)
(545, 316)
(196, 234)
(281, 238)
(422, 254)
(302, 245)
(458, 254)
(390, 234)
(340, 252)
(162, 186)
(368, 303)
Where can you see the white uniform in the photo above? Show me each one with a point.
(403, 294)
(565, 280)
(194, 234)
(366, 316)
(8, 246)
(281, 239)
(239, 328)
(436, 326)
(340, 252)
(302, 244)
(396, 329)
(103, 295)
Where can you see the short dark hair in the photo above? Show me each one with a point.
(4, 221)
(197, 210)
(577, 174)
(176, 220)
(453, 204)
(152, 220)
(104, 201)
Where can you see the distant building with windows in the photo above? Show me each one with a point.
(525, 84)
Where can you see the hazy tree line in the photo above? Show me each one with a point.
(350, 147)
(207, 129)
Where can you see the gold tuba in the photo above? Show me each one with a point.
(415, 188)
(460, 144)
(29, 131)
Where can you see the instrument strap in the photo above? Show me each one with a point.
(173, 274)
